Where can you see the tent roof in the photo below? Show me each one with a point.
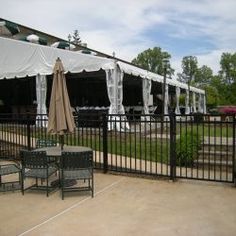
(20, 59)
(132, 70)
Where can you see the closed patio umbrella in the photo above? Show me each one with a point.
(8, 28)
(60, 119)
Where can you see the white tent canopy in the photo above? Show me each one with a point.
(19, 59)
(133, 70)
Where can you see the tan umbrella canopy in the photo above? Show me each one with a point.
(60, 119)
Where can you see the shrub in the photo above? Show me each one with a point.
(187, 146)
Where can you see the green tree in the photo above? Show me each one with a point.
(228, 67)
(203, 76)
(189, 70)
(228, 77)
(212, 96)
(152, 60)
(189, 67)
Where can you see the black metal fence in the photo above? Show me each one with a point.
(194, 147)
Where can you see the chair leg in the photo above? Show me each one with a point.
(92, 187)
(62, 186)
(22, 183)
(19, 176)
(62, 193)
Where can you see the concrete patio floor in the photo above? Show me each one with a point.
(124, 206)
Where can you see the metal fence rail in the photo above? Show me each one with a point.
(189, 146)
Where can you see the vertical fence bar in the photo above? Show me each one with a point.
(234, 161)
(105, 160)
(172, 146)
(28, 131)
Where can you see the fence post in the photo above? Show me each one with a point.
(104, 126)
(172, 146)
(234, 157)
(28, 130)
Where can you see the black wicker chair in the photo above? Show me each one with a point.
(8, 169)
(36, 164)
(77, 166)
(41, 143)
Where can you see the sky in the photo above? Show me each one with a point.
(201, 28)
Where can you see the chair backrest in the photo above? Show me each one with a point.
(33, 159)
(77, 160)
(40, 143)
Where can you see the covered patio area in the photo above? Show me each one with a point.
(92, 82)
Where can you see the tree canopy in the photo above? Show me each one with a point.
(228, 68)
(203, 76)
(152, 60)
(189, 67)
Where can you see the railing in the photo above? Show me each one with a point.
(193, 147)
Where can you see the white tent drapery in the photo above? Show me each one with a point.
(194, 102)
(187, 108)
(114, 80)
(200, 103)
(204, 104)
(177, 92)
(166, 101)
(41, 93)
(147, 85)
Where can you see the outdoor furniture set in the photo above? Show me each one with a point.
(74, 165)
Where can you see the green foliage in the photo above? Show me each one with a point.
(203, 75)
(228, 68)
(212, 96)
(182, 99)
(189, 67)
(152, 60)
(187, 146)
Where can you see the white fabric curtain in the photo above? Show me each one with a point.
(200, 103)
(166, 103)
(187, 108)
(111, 90)
(114, 80)
(204, 103)
(147, 85)
(177, 92)
(194, 102)
(41, 93)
